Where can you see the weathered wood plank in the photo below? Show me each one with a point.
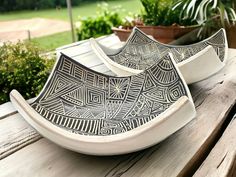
(178, 155)
(7, 109)
(221, 162)
(51, 163)
(88, 59)
(15, 134)
(100, 39)
(83, 47)
(231, 53)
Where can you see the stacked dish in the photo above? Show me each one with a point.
(196, 62)
(93, 113)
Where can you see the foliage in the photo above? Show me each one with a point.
(160, 12)
(100, 24)
(131, 20)
(84, 9)
(211, 13)
(13, 5)
(22, 68)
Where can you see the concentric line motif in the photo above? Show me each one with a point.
(140, 51)
(83, 101)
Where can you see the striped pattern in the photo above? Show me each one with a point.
(83, 101)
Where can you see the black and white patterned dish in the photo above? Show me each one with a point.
(93, 113)
(141, 51)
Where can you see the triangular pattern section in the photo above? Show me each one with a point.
(149, 83)
(139, 37)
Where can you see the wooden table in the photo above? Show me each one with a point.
(204, 147)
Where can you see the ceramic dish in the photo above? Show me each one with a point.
(196, 62)
(93, 113)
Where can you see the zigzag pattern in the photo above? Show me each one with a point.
(86, 102)
(140, 51)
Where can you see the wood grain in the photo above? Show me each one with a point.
(179, 155)
(221, 162)
(7, 109)
(15, 134)
(51, 163)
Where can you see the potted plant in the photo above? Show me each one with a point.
(211, 15)
(160, 20)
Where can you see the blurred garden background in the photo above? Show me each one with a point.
(21, 11)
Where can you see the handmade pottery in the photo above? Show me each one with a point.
(93, 113)
(196, 62)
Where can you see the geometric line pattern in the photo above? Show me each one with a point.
(85, 102)
(140, 51)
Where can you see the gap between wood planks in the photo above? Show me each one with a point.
(206, 148)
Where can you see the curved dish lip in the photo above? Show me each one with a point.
(16, 97)
(208, 68)
(54, 68)
(123, 143)
(70, 139)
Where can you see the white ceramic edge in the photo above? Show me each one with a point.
(168, 122)
(201, 65)
(182, 111)
(226, 47)
(107, 50)
(181, 77)
(118, 69)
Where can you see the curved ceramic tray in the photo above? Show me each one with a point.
(93, 113)
(196, 62)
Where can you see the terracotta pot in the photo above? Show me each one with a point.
(231, 37)
(123, 34)
(164, 34)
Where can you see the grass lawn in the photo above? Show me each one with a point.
(86, 9)
(51, 42)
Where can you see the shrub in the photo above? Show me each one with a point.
(22, 68)
(98, 25)
(12, 5)
(160, 12)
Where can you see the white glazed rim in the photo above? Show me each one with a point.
(136, 139)
(23, 107)
(50, 130)
(19, 100)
